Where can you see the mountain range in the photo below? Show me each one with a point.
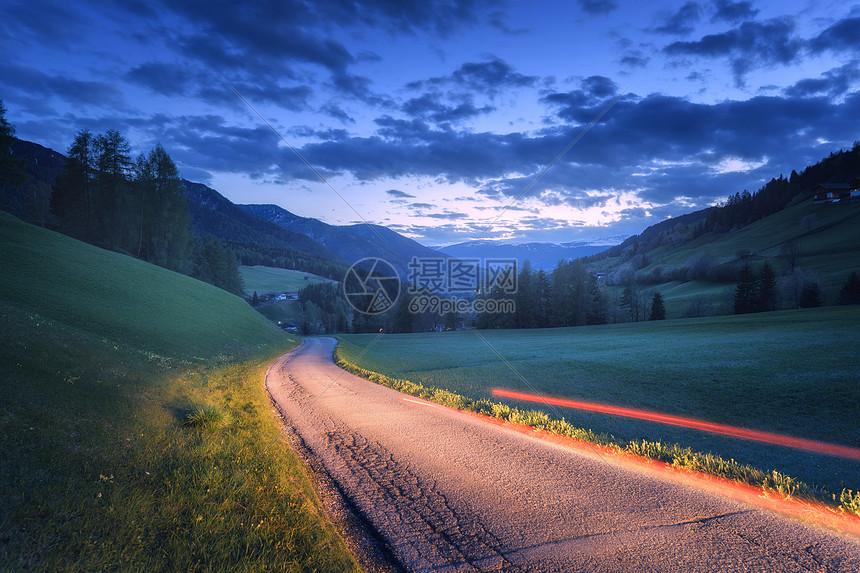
(351, 242)
(544, 256)
(262, 228)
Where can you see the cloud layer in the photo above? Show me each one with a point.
(411, 104)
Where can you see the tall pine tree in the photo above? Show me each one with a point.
(72, 198)
(161, 213)
(766, 289)
(850, 291)
(115, 227)
(745, 292)
(658, 309)
(13, 171)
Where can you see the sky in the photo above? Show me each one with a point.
(447, 121)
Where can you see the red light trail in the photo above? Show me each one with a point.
(724, 429)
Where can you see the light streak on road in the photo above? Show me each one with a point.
(712, 427)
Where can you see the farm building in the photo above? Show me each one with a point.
(832, 192)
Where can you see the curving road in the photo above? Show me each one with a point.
(446, 491)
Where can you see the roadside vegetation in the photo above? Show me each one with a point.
(790, 372)
(135, 431)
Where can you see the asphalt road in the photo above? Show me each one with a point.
(446, 491)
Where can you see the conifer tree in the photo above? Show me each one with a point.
(745, 292)
(850, 291)
(766, 289)
(658, 309)
(13, 171)
(112, 204)
(72, 195)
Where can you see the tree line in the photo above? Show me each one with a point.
(136, 207)
(742, 209)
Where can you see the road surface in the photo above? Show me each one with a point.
(447, 491)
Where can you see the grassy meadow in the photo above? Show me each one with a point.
(282, 311)
(791, 372)
(271, 279)
(135, 432)
(828, 237)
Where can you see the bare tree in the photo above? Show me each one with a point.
(790, 251)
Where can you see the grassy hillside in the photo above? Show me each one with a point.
(135, 432)
(271, 279)
(792, 372)
(828, 237)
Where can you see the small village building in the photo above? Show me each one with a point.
(831, 192)
(854, 184)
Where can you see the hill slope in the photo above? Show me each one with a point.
(353, 242)
(213, 214)
(102, 359)
(690, 265)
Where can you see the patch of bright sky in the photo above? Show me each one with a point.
(737, 165)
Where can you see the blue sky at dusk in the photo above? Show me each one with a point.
(432, 117)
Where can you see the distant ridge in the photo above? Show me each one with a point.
(544, 256)
(352, 242)
(213, 214)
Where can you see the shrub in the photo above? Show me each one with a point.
(206, 417)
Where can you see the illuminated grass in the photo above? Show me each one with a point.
(791, 372)
(673, 454)
(100, 368)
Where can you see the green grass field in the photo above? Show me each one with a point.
(270, 279)
(830, 249)
(792, 372)
(282, 311)
(103, 361)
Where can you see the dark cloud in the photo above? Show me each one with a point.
(164, 78)
(359, 87)
(660, 146)
(448, 215)
(681, 22)
(399, 194)
(323, 134)
(635, 59)
(584, 104)
(335, 111)
(599, 86)
(419, 206)
(597, 7)
(485, 77)
(832, 83)
(43, 22)
(733, 12)
(751, 45)
(269, 41)
(31, 82)
(172, 79)
(408, 16)
(431, 106)
(841, 36)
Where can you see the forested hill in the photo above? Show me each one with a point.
(744, 208)
(256, 240)
(31, 200)
(352, 242)
(253, 240)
